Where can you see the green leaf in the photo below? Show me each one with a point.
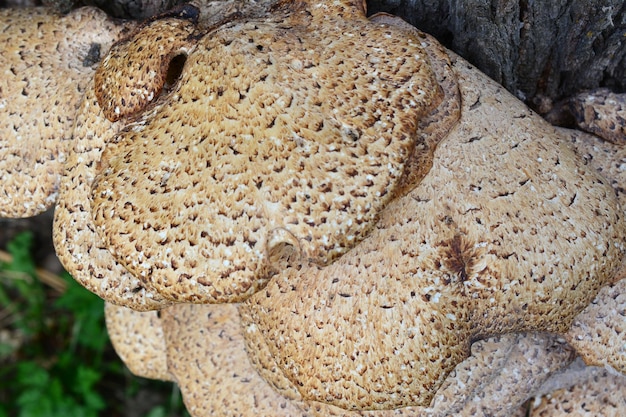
(24, 295)
(19, 248)
(31, 375)
(88, 309)
(158, 411)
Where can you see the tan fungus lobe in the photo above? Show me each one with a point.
(206, 354)
(46, 62)
(76, 242)
(138, 340)
(602, 113)
(457, 257)
(595, 392)
(599, 332)
(607, 157)
(273, 146)
(135, 70)
(508, 232)
(510, 367)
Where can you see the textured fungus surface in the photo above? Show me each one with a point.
(274, 146)
(602, 113)
(46, 62)
(363, 318)
(599, 333)
(139, 341)
(596, 392)
(216, 377)
(207, 358)
(77, 245)
(508, 231)
(133, 74)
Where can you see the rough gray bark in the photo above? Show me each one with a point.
(542, 51)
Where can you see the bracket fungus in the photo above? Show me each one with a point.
(47, 61)
(273, 145)
(583, 392)
(375, 227)
(482, 246)
(602, 113)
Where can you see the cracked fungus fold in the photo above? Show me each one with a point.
(274, 145)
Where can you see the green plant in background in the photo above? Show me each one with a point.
(55, 355)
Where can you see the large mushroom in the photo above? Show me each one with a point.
(205, 353)
(47, 61)
(601, 112)
(497, 237)
(482, 245)
(280, 145)
(375, 225)
(587, 392)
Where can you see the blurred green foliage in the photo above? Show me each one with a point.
(55, 355)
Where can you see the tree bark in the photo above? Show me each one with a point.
(541, 51)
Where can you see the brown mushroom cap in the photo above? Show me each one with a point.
(76, 242)
(607, 157)
(129, 78)
(274, 145)
(599, 332)
(595, 392)
(602, 113)
(138, 340)
(46, 62)
(206, 354)
(501, 373)
(509, 231)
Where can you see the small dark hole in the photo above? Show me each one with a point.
(174, 70)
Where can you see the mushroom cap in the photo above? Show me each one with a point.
(274, 145)
(138, 340)
(206, 354)
(76, 242)
(46, 62)
(501, 373)
(599, 332)
(607, 157)
(509, 231)
(129, 77)
(602, 113)
(595, 392)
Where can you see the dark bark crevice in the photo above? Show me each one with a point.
(543, 52)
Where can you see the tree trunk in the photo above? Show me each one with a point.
(541, 51)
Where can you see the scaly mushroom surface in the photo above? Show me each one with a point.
(601, 112)
(474, 227)
(139, 341)
(599, 332)
(592, 392)
(205, 353)
(508, 231)
(47, 61)
(76, 242)
(273, 146)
